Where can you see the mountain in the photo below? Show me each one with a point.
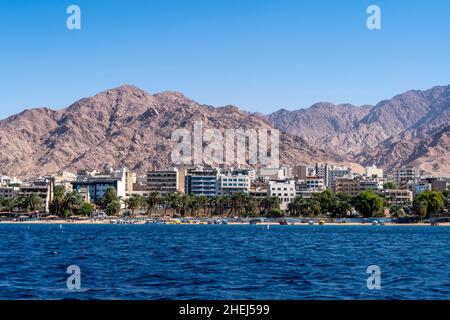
(122, 126)
(128, 126)
(410, 128)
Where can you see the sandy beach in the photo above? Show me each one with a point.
(140, 222)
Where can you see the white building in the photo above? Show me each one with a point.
(233, 183)
(406, 174)
(284, 190)
(374, 172)
(271, 173)
(334, 173)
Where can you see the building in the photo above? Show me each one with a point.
(321, 171)
(284, 190)
(97, 184)
(348, 186)
(418, 187)
(374, 172)
(64, 179)
(8, 181)
(233, 183)
(43, 188)
(259, 189)
(438, 184)
(406, 174)
(201, 182)
(397, 196)
(271, 173)
(302, 171)
(373, 185)
(163, 181)
(9, 192)
(334, 173)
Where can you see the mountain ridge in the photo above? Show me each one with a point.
(128, 126)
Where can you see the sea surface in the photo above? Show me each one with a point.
(223, 262)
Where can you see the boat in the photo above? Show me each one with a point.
(311, 222)
(321, 222)
(375, 223)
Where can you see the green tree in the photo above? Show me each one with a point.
(86, 209)
(153, 200)
(35, 202)
(395, 210)
(389, 185)
(368, 204)
(134, 203)
(57, 204)
(428, 204)
(73, 202)
(326, 199)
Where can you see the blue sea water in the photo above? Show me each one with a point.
(223, 262)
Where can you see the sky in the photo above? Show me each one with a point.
(255, 54)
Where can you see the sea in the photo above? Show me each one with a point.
(222, 262)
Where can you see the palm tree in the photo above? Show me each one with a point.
(153, 200)
(73, 201)
(9, 204)
(35, 202)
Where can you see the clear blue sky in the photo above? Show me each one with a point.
(259, 55)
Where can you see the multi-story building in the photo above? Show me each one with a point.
(201, 181)
(438, 184)
(371, 184)
(348, 186)
(97, 184)
(43, 188)
(233, 183)
(284, 190)
(259, 189)
(374, 172)
(334, 173)
(163, 181)
(64, 179)
(406, 174)
(397, 196)
(9, 192)
(271, 173)
(418, 187)
(302, 171)
(7, 181)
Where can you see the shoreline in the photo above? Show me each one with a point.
(108, 222)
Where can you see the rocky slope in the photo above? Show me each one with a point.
(407, 129)
(122, 126)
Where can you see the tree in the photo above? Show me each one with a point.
(326, 200)
(134, 203)
(73, 201)
(152, 201)
(368, 204)
(428, 204)
(113, 208)
(389, 185)
(35, 202)
(396, 210)
(58, 202)
(9, 204)
(86, 209)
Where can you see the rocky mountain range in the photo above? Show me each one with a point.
(128, 126)
(411, 128)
